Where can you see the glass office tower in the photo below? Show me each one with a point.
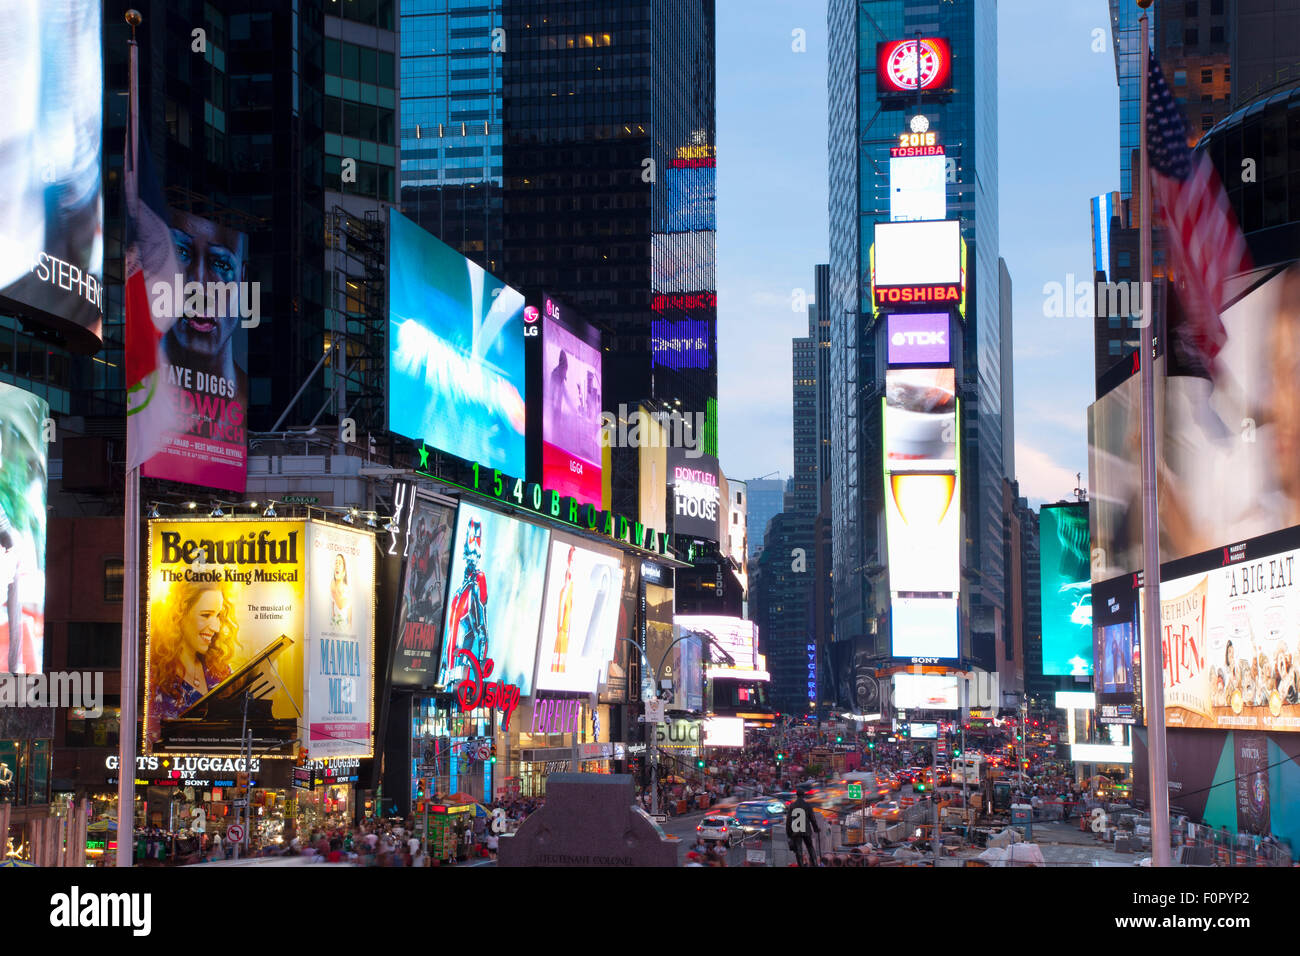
(861, 130)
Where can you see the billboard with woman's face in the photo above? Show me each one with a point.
(22, 530)
(226, 603)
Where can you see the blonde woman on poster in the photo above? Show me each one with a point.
(192, 649)
(340, 595)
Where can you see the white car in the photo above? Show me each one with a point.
(721, 829)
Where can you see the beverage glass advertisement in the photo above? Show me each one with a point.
(923, 521)
(1066, 590)
(571, 420)
(923, 627)
(579, 617)
(340, 641)
(51, 193)
(494, 603)
(921, 419)
(226, 602)
(456, 352)
(424, 592)
(194, 424)
(919, 338)
(22, 529)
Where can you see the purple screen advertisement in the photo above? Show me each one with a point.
(918, 338)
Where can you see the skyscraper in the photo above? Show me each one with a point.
(863, 125)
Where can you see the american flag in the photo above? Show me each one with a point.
(1205, 244)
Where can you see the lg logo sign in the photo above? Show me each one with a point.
(920, 338)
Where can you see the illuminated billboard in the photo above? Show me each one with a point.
(340, 631)
(1066, 590)
(696, 493)
(923, 525)
(424, 593)
(902, 65)
(925, 692)
(23, 474)
(736, 636)
(494, 603)
(1231, 645)
(1227, 454)
(225, 616)
(923, 628)
(571, 410)
(920, 419)
(918, 253)
(579, 616)
(456, 352)
(51, 193)
(918, 338)
(917, 187)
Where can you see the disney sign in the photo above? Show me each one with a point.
(476, 692)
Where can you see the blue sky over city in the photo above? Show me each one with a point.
(1059, 145)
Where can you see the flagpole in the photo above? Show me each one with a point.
(131, 567)
(1152, 651)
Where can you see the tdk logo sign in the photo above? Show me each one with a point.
(920, 338)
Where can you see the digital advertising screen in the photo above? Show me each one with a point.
(917, 188)
(424, 593)
(23, 475)
(494, 601)
(456, 371)
(737, 636)
(918, 253)
(918, 338)
(1231, 645)
(696, 493)
(1066, 590)
(921, 419)
(51, 193)
(226, 613)
(340, 641)
(579, 616)
(903, 64)
(192, 426)
(925, 692)
(923, 628)
(571, 408)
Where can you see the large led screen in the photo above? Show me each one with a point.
(51, 200)
(494, 602)
(22, 529)
(424, 593)
(340, 641)
(1066, 590)
(1228, 453)
(579, 617)
(571, 413)
(226, 615)
(918, 338)
(456, 352)
(923, 628)
(918, 253)
(1231, 645)
(917, 188)
(921, 419)
(925, 692)
(736, 636)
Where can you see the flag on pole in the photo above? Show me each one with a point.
(1205, 244)
(150, 255)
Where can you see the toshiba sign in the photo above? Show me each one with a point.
(918, 338)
